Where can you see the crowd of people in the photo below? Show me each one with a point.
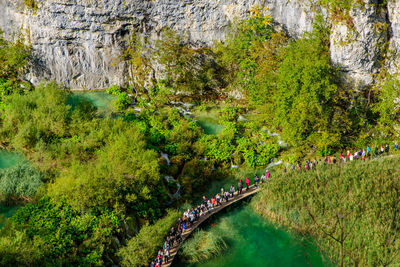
(361, 154)
(190, 216)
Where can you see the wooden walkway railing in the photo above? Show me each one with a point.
(236, 197)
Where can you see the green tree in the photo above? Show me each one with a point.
(388, 107)
(306, 96)
(143, 247)
(185, 69)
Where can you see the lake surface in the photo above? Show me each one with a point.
(9, 159)
(253, 241)
(99, 99)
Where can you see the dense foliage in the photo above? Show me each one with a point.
(141, 248)
(351, 210)
(68, 237)
(104, 174)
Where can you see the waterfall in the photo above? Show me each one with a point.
(165, 156)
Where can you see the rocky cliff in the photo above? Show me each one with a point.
(78, 42)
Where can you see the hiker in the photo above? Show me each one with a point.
(267, 175)
(387, 149)
(226, 195)
(256, 180)
(240, 186)
(363, 155)
(204, 200)
(382, 149)
(329, 160)
(166, 255)
(334, 159)
(218, 199)
(160, 257)
(222, 192)
(341, 158)
(213, 202)
(247, 183)
(368, 151)
(351, 157)
(396, 146)
(284, 169)
(263, 178)
(376, 152)
(232, 190)
(291, 167)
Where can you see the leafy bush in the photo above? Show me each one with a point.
(67, 237)
(114, 90)
(123, 102)
(388, 107)
(143, 247)
(17, 250)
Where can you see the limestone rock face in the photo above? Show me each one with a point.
(393, 56)
(357, 43)
(79, 42)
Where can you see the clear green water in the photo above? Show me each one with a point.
(253, 241)
(208, 120)
(209, 124)
(6, 212)
(99, 99)
(9, 159)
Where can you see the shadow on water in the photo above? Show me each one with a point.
(251, 241)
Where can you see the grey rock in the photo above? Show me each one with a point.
(79, 42)
(355, 47)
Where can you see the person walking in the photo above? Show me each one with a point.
(396, 146)
(232, 190)
(240, 186)
(387, 149)
(256, 180)
(267, 175)
(247, 183)
(382, 149)
(376, 152)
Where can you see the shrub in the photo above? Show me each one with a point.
(141, 249)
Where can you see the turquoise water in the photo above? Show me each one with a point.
(9, 159)
(253, 241)
(210, 125)
(6, 212)
(99, 99)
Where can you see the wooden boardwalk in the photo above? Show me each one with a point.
(236, 197)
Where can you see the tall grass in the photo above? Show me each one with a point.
(351, 210)
(203, 246)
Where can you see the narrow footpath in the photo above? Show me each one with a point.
(174, 250)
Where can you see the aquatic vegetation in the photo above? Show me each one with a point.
(351, 210)
(202, 246)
